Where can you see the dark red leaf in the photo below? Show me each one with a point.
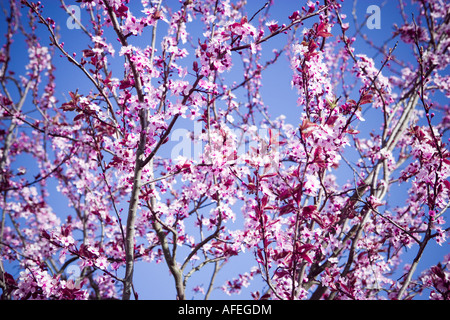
(78, 117)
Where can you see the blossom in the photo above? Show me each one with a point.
(272, 25)
(311, 185)
(325, 200)
(410, 32)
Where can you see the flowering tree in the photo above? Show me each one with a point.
(325, 206)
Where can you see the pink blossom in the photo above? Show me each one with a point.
(188, 150)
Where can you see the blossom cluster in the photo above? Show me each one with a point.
(323, 205)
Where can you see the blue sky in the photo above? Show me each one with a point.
(154, 281)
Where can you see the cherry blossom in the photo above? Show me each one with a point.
(147, 138)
